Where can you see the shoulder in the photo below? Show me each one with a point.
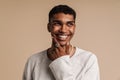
(37, 57)
(85, 56)
(84, 53)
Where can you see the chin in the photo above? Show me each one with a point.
(63, 43)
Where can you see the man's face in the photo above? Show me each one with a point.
(62, 27)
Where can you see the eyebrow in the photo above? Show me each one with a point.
(61, 21)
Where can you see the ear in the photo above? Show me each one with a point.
(49, 27)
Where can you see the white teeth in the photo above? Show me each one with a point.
(63, 36)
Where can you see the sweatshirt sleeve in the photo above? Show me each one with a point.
(62, 68)
(91, 69)
(27, 75)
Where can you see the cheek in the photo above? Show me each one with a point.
(72, 30)
(55, 29)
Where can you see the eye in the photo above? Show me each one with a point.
(70, 24)
(56, 24)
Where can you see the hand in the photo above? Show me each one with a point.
(57, 51)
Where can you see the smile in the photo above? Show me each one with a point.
(62, 37)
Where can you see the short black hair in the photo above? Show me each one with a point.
(61, 9)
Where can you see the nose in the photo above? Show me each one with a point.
(63, 28)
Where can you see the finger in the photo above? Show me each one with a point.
(67, 48)
(49, 54)
(53, 55)
(55, 42)
(56, 51)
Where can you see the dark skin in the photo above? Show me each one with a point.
(62, 28)
(56, 52)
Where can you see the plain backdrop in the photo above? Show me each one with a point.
(23, 32)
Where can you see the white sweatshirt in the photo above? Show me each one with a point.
(83, 65)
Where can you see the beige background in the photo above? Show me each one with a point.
(23, 32)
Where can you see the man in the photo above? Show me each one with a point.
(62, 61)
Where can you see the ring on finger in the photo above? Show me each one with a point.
(56, 45)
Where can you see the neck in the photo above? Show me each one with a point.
(72, 51)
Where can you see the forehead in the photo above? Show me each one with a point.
(63, 17)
